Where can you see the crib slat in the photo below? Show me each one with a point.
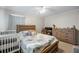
(2, 45)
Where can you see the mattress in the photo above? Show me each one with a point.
(32, 44)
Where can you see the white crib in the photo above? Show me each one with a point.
(9, 42)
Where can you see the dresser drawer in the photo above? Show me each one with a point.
(68, 41)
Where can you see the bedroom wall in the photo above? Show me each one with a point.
(66, 19)
(3, 19)
(35, 20)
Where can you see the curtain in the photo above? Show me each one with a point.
(15, 20)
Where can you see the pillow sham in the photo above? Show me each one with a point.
(25, 33)
(28, 33)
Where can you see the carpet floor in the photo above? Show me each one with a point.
(66, 47)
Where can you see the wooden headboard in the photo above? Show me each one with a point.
(25, 27)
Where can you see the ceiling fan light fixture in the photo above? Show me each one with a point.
(41, 9)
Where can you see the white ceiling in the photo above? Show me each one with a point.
(31, 10)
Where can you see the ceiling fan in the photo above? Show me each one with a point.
(41, 9)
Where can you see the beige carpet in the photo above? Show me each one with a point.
(65, 47)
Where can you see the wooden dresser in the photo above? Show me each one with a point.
(66, 34)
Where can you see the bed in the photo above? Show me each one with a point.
(35, 45)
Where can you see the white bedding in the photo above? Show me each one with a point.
(29, 43)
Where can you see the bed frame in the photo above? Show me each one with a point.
(46, 49)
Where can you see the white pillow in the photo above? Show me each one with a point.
(26, 33)
(34, 33)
